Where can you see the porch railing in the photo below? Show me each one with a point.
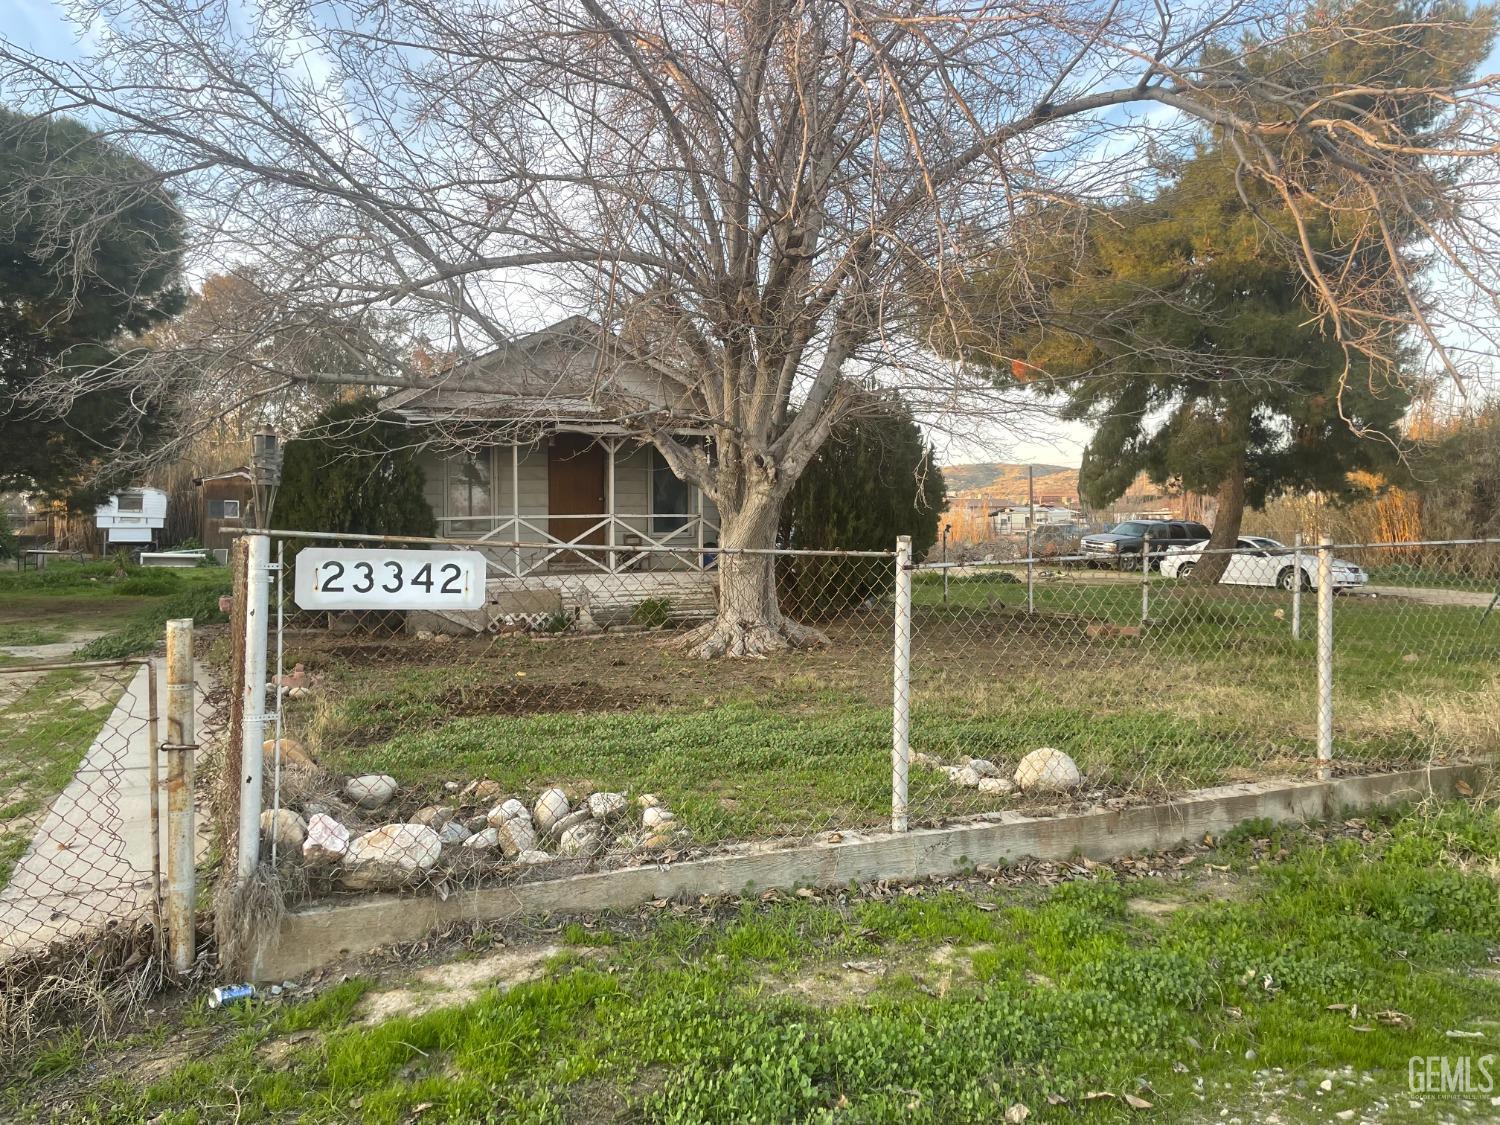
(605, 543)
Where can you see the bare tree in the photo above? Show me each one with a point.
(761, 196)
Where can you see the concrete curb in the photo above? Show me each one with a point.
(317, 934)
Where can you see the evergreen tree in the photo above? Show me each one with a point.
(78, 270)
(357, 472)
(1184, 326)
(875, 479)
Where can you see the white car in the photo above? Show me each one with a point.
(1264, 562)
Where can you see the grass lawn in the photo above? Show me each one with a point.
(112, 614)
(1287, 971)
(1215, 690)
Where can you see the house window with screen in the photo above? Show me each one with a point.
(469, 491)
(223, 509)
(671, 497)
(130, 502)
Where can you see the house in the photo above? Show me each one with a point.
(226, 507)
(133, 515)
(542, 473)
(1016, 519)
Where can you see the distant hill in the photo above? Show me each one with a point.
(1007, 480)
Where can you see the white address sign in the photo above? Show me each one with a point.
(375, 578)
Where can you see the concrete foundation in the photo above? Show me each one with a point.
(317, 934)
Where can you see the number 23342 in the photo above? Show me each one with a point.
(351, 578)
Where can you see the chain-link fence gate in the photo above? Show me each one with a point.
(81, 846)
(566, 723)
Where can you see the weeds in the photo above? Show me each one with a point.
(1341, 958)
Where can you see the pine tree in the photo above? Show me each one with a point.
(874, 480)
(357, 472)
(1183, 324)
(79, 270)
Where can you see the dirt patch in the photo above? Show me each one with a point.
(457, 982)
(535, 699)
(828, 986)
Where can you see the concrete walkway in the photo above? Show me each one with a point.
(89, 863)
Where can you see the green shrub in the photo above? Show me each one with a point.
(653, 613)
(149, 584)
(147, 629)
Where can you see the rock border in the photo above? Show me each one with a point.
(315, 935)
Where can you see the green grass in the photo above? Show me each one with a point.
(1239, 994)
(146, 628)
(22, 633)
(44, 732)
(1215, 690)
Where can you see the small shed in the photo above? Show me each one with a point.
(133, 515)
(227, 503)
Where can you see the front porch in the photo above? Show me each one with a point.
(579, 500)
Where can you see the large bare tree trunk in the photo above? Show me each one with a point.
(1210, 567)
(749, 621)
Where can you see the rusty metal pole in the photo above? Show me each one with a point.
(181, 738)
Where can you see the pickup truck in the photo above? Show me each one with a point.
(1120, 546)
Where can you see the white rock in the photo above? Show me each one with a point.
(434, 816)
(286, 827)
(952, 771)
(550, 807)
(1047, 771)
(968, 777)
(581, 840)
(984, 767)
(390, 856)
(327, 841)
(454, 832)
(510, 809)
(515, 836)
(648, 800)
(606, 807)
(996, 786)
(450, 787)
(533, 857)
(483, 841)
(577, 816)
(656, 816)
(481, 790)
(371, 790)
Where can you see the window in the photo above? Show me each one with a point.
(670, 496)
(223, 509)
(130, 502)
(469, 491)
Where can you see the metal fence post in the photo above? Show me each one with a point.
(1030, 573)
(1145, 578)
(181, 740)
(1325, 658)
(901, 695)
(253, 701)
(1297, 586)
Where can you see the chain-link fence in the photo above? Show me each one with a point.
(79, 844)
(78, 833)
(572, 721)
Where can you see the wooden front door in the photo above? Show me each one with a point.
(575, 487)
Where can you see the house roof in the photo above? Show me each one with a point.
(226, 475)
(571, 371)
